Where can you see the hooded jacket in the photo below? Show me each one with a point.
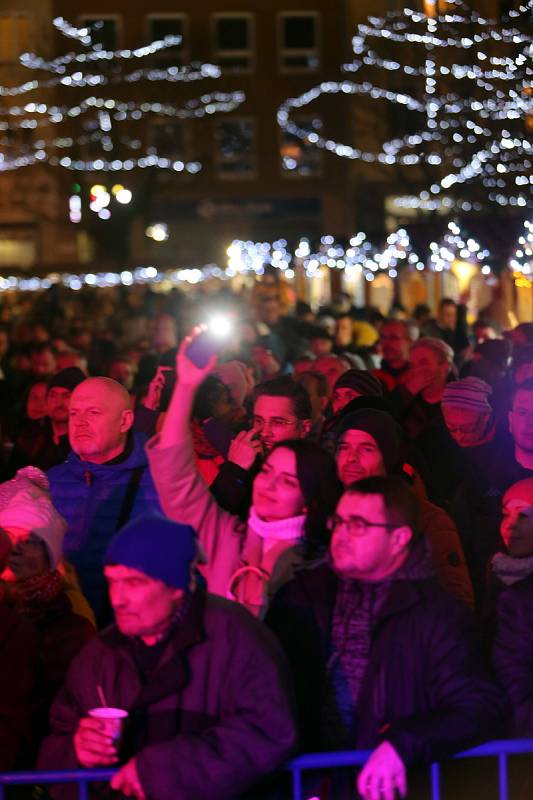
(212, 718)
(91, 498)
(513, 651)
(425, 689)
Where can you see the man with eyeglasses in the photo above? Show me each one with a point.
(368, 445)
(282, 410)
(382, 657)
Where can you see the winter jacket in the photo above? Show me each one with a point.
(425, 689)
(227, 541)
(446, 551)
(18, 671)
(91, 498)
(513, 652)
(213, 717)
(490, 470)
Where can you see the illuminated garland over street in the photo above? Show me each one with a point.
(453, 247)
(470, 79)
(360, 257)
(101, 115)
(522, 261)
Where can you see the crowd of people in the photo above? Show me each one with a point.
(319, 537)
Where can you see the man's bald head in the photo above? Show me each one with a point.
(99, 421)
(112, 390)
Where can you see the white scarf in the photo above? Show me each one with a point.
(280, 529)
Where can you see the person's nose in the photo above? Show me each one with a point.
(353, 455)
(117, 596)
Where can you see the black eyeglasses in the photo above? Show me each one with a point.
(356, 526)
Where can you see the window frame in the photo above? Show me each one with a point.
(83, 19)
(153, 124)
(284, 52)
(184, 47)
(218, 162)
(249, 53)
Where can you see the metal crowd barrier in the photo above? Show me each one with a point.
(312, 761)
(356, 758)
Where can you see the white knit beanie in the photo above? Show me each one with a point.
(25, 503)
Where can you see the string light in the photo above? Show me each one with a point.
(100, 117)
(454, 246)
(475, 104)
(521, 262)
(359, 257)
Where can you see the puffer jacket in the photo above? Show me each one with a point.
(238, 566)
(425, 688)
(91, 497)
(212, 718)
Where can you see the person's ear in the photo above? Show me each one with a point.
(306, 426)
(510, 420)
(401, 538)
(126, 420)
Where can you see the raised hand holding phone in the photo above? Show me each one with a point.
(189, 373)
(176, 427)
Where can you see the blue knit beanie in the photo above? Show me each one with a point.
(160, 548)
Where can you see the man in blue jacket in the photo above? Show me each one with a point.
(104, 482)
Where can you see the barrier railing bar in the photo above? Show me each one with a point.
(502, 776)
(55, 776)
(508, 747)
(297, 789)
(435, 781)
(500, 749)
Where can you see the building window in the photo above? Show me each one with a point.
(300, 157)
(104, 30)
(168, 139)
(15, 36)
(169, 25)
(235, 148)
(299, 46)
(233, 41)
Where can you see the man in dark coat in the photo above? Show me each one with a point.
(204, 683)
(104, 482)
(47, 445)
(382, 657)
(491, 469)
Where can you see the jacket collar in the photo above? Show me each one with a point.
(173, 672)
(136, 458)
(320, 585)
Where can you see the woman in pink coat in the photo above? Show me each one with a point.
(293, 495)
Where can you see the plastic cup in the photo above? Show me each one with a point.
(113, 719)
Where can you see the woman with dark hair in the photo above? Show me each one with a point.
(294, 492)
(319, 492)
